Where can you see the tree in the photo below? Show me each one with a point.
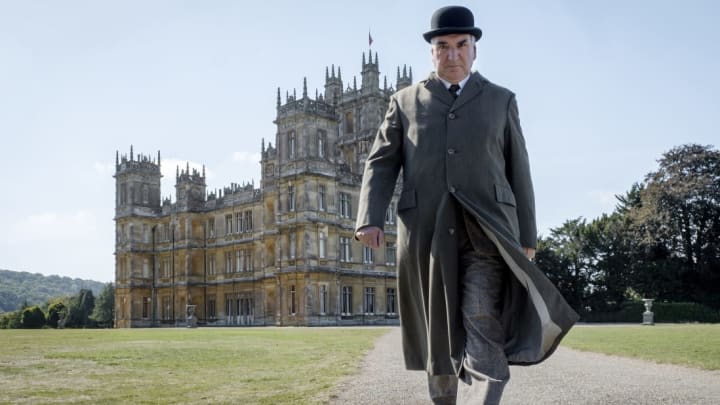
(56, 311)
(562, 256)
(678, 221)
(32, 318)
(80, 308)
(10, 320)
(104, 310)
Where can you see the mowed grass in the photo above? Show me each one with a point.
(692, 345)
(204, 365)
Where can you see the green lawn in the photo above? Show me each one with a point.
(204, 365)
(692, 345)
(255, 365)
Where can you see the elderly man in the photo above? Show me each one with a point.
(471, 301)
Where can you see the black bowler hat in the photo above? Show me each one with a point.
(452, 20)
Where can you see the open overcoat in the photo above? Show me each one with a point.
(465, 153)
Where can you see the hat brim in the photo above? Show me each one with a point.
(475, 31)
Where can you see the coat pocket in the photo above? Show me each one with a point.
(407, 200)
(504, 195)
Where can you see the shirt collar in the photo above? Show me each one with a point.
(461, 84)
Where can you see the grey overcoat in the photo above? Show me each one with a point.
(467, 152)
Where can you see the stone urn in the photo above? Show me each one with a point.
(648, 315)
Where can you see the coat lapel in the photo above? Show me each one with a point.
(473, 88)
(438, 90)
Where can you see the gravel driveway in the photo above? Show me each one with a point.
(568, 377)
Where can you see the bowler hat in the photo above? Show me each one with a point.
(452, 20)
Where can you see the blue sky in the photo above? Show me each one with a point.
(603, 88)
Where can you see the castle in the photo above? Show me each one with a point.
(280, 254)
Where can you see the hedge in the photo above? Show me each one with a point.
(665, 312)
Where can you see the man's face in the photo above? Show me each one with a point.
(453, 55)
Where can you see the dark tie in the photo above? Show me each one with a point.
(454, 89)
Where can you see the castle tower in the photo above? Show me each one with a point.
(137, 203)
(370, 74)
(333, 86)
(306, 127)
(405, 80)
(137, 184)
(190, 189)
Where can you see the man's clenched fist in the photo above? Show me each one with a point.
(370, 236)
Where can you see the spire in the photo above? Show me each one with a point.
(355, 83)
(327, 74)
(294, 95)
(287, 96)
(410, 74)
(203, 171)
(333, 70)
(404, 70)
(398, 75)
(370, 56)
(384, 82)
(262, 146)
(177, 172)
(117, 158)
(158, 158)
(377, 61)
(187, 170)
(305, 87)
(316, 94)
(278, 98)
(339, 74)
(364, 59)
(131, 153)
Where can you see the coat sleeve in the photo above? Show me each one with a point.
(517, 166)
(381, 170)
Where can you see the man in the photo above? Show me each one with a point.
(471, 301)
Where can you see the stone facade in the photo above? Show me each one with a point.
(280, 254)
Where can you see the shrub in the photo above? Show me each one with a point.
(665, 312)
(10, 320)
(56, 312)
(32, 318)
(684, 312)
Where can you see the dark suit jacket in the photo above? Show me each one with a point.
(465, 153)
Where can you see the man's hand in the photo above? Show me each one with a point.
(370, 236)
(529, 252)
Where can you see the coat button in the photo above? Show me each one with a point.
(451, 116)
(451, 151)
(452, 189)
(451, 231)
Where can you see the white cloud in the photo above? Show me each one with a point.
(49, 226)
(246, 157)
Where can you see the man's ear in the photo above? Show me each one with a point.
(474, 51)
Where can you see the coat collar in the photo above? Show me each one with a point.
(472, 89)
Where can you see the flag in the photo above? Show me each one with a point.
(370, 40)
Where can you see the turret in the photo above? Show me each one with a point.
(370, 74)
(137, 183)
(333, 86)
(190, 189)
(405, 80)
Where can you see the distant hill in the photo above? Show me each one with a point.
(17, 287)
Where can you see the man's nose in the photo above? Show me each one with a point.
(453, 53)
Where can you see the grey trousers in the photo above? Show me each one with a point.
(485, 365)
